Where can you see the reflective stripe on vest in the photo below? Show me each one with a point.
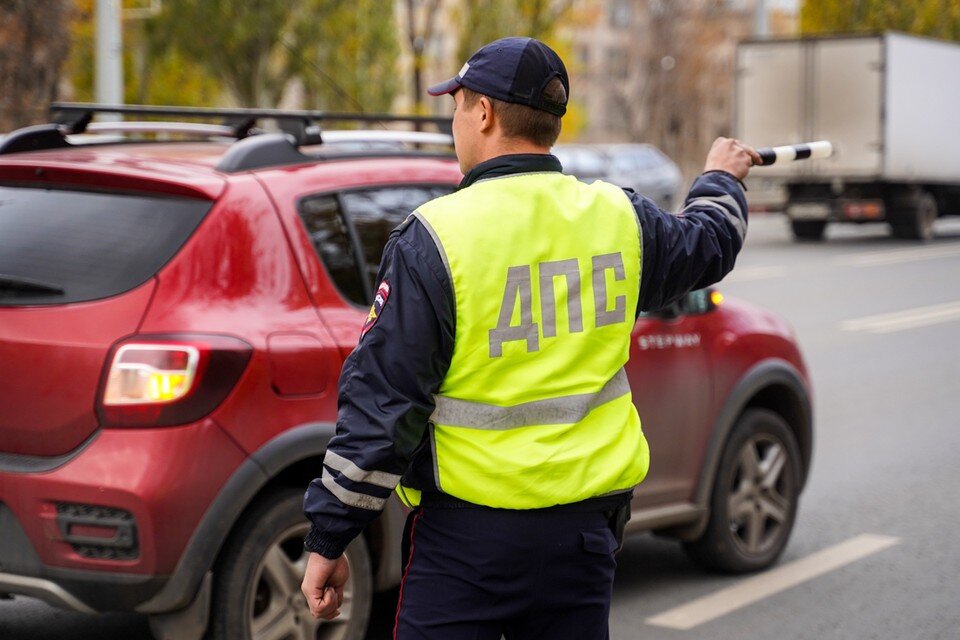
(535, 409)
(563, 410)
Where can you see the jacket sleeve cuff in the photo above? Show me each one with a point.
(318, 542)
(728, 174)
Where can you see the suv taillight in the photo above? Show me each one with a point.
(150, 374)
(154, 381)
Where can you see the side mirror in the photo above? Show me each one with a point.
(694, 303)
(701, 301)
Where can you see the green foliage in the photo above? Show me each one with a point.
(154, 72)
(345, 53)
(169, 77)
(80, 63)
(195, 51)
(482, 21)
(936, 18)
(238, 41)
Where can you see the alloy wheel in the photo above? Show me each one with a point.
(758, 507)
(277, 607)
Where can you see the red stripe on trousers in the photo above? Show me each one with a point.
(406, 572)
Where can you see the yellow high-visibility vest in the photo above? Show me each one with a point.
(535, 409)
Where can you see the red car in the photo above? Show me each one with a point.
(173, 319)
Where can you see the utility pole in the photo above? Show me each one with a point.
(761, 25)
(109, 53)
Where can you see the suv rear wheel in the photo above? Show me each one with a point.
(257, 591)
(754, 499)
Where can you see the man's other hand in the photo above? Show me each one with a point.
(323, 585)
(732, 156)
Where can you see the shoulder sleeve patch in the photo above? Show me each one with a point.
(379, 301)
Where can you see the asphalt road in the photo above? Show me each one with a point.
(887, 412)
(876, 551)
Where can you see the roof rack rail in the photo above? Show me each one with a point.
(254, 149)
(188, 128)
(376, 136)
(303, 125)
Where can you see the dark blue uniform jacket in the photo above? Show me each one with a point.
(387, 383)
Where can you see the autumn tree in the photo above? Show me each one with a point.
(154, 71)
(673, 86)
(32, 49)
(238, 41)
(936, 18)
(419, 26)
(345, 53)
(482, 21)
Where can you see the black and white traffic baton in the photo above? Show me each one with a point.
(819, 149)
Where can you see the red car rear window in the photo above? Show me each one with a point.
(61, 246)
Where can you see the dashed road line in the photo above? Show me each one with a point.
(908, 319)
(897, 256)
(751, 590)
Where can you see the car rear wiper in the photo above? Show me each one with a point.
(19, 283)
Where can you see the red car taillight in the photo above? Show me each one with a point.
(155, 381)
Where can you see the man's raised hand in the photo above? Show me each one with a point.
(732, 156)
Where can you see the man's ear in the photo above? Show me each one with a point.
(487, 116)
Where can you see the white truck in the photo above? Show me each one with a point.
(890, 104)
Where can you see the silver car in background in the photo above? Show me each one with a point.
(641, 167)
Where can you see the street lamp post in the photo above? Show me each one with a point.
(109, 53)
(761, 24)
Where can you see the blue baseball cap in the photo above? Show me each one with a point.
(513, 70)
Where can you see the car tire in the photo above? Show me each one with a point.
(258, 577)
(914, 216)
(808, 229)
(754, 500)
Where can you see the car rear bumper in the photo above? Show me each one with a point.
(23, 573)
(106, 530)
(90, 593)
(45, 590)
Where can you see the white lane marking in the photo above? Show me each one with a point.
(909, 319)
(757, 273)
(897, 256)
(771, 582)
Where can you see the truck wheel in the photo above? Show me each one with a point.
(257, 590)
(808, 229)
(754, 500)
(913, 218)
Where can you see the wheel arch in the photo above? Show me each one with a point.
(772, 384)
(382, 536)
(280, 462)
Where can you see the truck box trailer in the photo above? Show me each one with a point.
(889, 103)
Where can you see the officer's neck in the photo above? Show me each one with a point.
(503, 146)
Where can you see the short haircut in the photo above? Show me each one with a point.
(520, 121)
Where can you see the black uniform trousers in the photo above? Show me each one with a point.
(476, 573)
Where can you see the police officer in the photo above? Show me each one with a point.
(488, 386)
